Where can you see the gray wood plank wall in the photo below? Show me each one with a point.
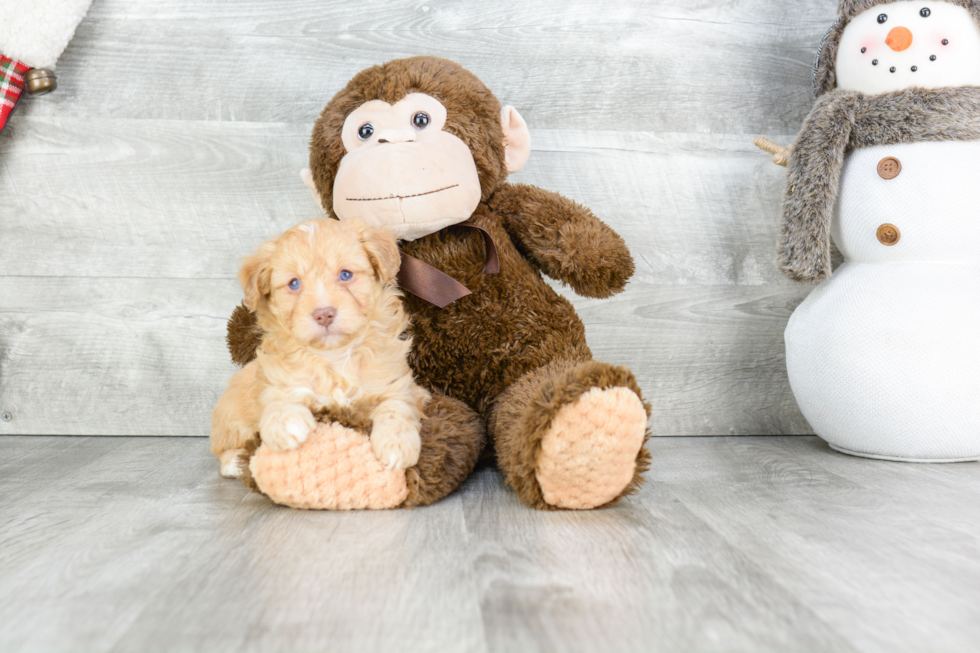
(173, 145)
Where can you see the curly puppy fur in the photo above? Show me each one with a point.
(333, 322)
(513, 324)
(824, 73)
(842, 121)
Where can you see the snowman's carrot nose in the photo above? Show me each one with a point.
(899, 39)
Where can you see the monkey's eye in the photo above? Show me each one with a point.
(294, 284)
(346, 275)
(366, 131)
(420, 120)
(882, 18)
(925, 12)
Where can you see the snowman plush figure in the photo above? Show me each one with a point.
(884, 355)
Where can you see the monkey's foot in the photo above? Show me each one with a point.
(334, 469)
(589, 455)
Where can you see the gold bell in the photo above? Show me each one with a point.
(40, 81)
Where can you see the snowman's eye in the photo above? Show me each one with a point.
(925, 12)
(882, 18)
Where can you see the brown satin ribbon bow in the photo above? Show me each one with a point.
(437, 287)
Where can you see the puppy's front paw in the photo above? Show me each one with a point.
(286, 427)
(232, 463)
(396, 445)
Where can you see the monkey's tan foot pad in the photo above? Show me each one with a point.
(588, 455)
(335, 469)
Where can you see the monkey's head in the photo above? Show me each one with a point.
(413, 145)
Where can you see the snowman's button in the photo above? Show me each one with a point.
(889, 167)
(888, 234)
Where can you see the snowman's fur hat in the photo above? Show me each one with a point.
(824, 75)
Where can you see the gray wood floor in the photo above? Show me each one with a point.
(735, 544)
(172, 148)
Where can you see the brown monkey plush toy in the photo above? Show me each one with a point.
(423, 148)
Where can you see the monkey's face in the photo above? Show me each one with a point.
(403, 170)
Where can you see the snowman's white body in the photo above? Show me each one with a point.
(884, 357)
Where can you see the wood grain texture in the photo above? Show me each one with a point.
(92, 356)
(734, 544)
(891, 537)
(187, 200)
(155, 199)
(173, 144)
(646, 575)
(651, 65)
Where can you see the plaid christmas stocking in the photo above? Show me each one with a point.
(11, 86)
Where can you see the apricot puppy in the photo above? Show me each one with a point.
(324, 294)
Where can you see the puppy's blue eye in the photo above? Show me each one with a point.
(294, 284)
(346, 275)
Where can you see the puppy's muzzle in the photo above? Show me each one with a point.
(325, 316)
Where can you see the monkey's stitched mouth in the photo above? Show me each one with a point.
(398, 197)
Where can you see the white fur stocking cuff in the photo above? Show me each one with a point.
(36, 32)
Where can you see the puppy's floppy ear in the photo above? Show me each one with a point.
(256, 275)
(382, 250)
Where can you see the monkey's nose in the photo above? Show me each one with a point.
(396, 136)
(324, 316)
(899, 39)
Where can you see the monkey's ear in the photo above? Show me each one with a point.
(517, 138)
(382, 250)
(307, 178)
(256, 275)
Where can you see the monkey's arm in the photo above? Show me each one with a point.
(564, 239)
(243, 335)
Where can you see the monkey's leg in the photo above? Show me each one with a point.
(333, 469)
(570, 435)
(453, 436)
(336, 469)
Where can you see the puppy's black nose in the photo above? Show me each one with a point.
(324, 316)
